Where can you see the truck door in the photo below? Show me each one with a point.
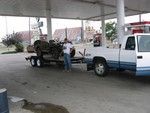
(128, 54)
(143, 55)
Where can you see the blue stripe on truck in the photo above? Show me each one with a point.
(128, 65)
(123, 65)
(116, 64)
(113, 64)
(140, 71)
(143, 71)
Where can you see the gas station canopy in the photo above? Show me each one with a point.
(71, 9)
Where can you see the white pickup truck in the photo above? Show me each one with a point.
(133, 54)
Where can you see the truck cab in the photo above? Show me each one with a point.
(135, 53)
(132, 54)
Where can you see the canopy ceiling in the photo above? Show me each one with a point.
(71, 9)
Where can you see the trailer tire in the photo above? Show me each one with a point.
(39, 62)
(33, 62)
(100, 68)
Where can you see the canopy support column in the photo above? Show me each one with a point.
(103, 26)
(49, 20)
(120, 20)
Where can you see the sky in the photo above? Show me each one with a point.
(10, 24)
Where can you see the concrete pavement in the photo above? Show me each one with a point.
(79, 91)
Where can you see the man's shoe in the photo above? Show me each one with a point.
(65, 70)
(69, 71)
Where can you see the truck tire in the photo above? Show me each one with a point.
(55, 53)
(39, 62)
(100, 68)
(33, 62)
(39, 52)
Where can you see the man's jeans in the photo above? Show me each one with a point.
(67, 61)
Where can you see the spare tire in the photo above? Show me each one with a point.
(55, 53)
(41, 44)
(72, 54)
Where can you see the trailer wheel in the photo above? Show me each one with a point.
(39, 62)
(100, 68)
(33, 62)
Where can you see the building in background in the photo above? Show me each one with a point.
(73, 34)
(26, 37)
(89, 31)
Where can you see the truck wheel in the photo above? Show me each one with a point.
(39, 52)
(39, 62)
(100, 68)
(33, 62)
(55, 53)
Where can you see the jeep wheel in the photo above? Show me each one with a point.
(39, 52)
(55, 53)
(100, 68)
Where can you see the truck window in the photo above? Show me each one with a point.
(130, 45)
(143, 43)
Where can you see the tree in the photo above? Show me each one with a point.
(12, 39)
(19, 47)
(8, 41)
(111, 29)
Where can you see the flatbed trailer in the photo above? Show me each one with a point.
(46, 59)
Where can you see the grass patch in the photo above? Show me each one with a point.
(9, 52)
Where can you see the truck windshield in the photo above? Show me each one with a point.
(143, 43)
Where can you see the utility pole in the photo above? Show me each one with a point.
(66, 34)
(6, 30)
(82, 31)
(29, 32)
(6, 25)
(140, 17)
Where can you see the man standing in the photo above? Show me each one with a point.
(67, 49)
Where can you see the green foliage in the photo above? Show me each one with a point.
(11, 39)
(19, 47)
(9, 52)
(8, 40)
(111, 29)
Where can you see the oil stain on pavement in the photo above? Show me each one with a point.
(44, 108)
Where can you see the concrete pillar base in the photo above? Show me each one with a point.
(3, 101)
